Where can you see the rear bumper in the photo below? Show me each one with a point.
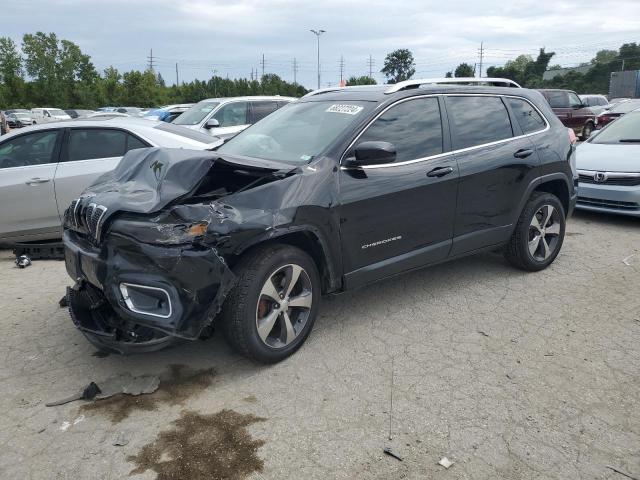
(133, 297)
(609, 199)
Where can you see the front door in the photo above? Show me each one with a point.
(27, 167)
(400, 215)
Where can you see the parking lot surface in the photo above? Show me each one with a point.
(508, 374)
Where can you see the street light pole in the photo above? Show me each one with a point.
(317, 33)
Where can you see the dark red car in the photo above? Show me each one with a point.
(618, 110)
(571, 111)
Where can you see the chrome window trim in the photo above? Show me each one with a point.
(591, 173)
(444, 154)
(129, 303)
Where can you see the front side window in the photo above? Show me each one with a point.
(298, 132)
(95, 143)
(196, 114)
(232, 114)
(478, 120)
(413, 127)
(574, 100)
(527, 117)
(25, 150)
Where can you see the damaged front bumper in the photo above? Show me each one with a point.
(135, 297)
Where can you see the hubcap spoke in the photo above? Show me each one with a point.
(293, 274)
(269, 290)
(533, 245)
(535, 224)
(265, 325)
(301, 301)
(546, 251)
(547, 211)
(553, 229)
(289, 332)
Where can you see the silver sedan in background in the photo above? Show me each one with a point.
(44, 167)
(609, 168)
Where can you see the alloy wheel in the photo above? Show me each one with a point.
(284, 306)
(544, 233)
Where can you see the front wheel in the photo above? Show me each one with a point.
(271, 311)
(539, 233)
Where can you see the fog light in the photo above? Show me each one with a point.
(146, 300)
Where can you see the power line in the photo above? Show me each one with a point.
(481, 57)
(370, 63)
(262, 65)
(341, 63)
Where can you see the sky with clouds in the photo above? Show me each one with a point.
(230, 36)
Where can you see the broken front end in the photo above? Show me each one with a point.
(142, 245)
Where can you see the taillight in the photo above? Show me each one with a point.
(572, 136)
(604, 118)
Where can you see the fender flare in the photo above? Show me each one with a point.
(333, 268)
(535, 183)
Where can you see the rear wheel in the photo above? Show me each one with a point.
(271, 311)
(539, 234)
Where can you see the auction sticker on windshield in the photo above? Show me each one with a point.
(348, 109)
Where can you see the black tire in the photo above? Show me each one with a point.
(242, 308)
(517, 251)
(587, 130)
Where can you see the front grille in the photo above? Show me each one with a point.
(87, 219)
(621, 181)
(615, 204)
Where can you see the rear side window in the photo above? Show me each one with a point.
(262, 109)
(95, 143)
(527, 117)
(413, 127)
(558, 99)
(478, 120)
(133, 143)
(25, 150)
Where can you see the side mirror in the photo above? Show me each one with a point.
(211, 123)
(372, 153)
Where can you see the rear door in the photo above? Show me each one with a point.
(260, 109)
(399, 216)
(580, 112)
(27, 196)
(88, 153)
(497, 163)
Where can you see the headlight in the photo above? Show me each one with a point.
(159, 233)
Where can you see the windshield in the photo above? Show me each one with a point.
(22, 116)
(297, 132)
(624, 130)
(626, 107)
(56, 112)
(196, 114)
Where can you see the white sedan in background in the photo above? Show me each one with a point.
(609, 168)
(44, 167)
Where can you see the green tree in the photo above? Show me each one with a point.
(464, 70)
(40, 61)
(363, 80)
(11, 79)
(605, 56)
(399, 66)
(448, 75)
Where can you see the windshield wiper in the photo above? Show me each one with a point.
(629, 140)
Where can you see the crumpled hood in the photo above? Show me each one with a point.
(147, 180)
(602, 157)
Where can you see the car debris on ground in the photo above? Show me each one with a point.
(125, 383)
(23, 261)
(445, 462)
(391, 453)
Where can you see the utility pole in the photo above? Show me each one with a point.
(341, 68)
(177, 77)
(295, 71)
(150, 58)
(215, 86)
(623, 64)
(481, 56)
(370, 63)
(262, 66)
(317, 33)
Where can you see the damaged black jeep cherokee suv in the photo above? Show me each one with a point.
(339, 189)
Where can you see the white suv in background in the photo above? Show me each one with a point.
(46, 115)
(228, 116)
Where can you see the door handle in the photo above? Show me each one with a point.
(440, 172)
(524, 153)
(36, 180)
